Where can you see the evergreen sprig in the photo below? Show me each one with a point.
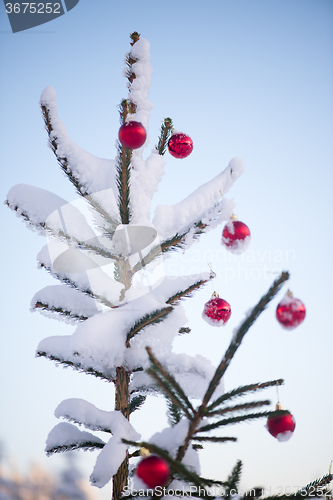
(174, 412)
(239, 407)
(67, 281)
(59, 310)
(317, 487)
(189, 290)
(169, 392)
(183, 330)
(86, 445)
(75, 365)
(66, 168)
(241, 418)
(176, 468)
(149, 319)
(214, 439)
(240, 391)
(123, 182)
(164, 374)
(175, 243)
(165, 135)
(136, 403)
(240, 334)
(233, 480)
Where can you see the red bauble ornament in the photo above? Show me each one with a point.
(290, 312)
(216, 311)
(281, 427)
(236, 236)
(132, 135)
(180, 145)
(153, 471)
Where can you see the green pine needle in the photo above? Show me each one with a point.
(136, 403)
(240, 391)
(165, 134)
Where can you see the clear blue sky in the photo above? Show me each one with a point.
(248, 78)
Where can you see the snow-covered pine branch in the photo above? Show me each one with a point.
(67, 437)
(82, 273)
(92, 177)
(67, 302)
(199, 211)
(82, 412)
(51, 215)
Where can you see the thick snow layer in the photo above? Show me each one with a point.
(82, 412)
(67, 299)
(193, 373)
(101, 339)
(65, 434)
(47, 211)
(94, 174)
(168, 286)
(33, 202)
(87, 276)
(141, 85)
(171, 438)
(145, 176)
(114, 451)
(99, 343)
(178, 218)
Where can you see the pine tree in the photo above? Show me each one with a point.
(128, 319)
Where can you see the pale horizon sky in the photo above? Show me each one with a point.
(248, 78)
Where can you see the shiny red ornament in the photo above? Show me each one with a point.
(216, 311)
(236, 236)
(180, 145)
(153, 471)
(281, 427)
(132, 135)
(290, 312)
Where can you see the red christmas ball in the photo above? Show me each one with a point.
(290, 312)
(281, 427)
(153, 471)
(180, 145)
(216, 311)
(132, 135)
(236, 236)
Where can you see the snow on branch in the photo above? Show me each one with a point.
(67, 437)
(201, 207)
(82, 365)
(192, 373)
(34, 204)
(69, 303)
(145, 174)
(88, 173)
(140, 86)
(86, 276)
(109, 460)
(52, 215)
(82, 412)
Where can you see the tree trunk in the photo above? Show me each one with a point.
(122, 404)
